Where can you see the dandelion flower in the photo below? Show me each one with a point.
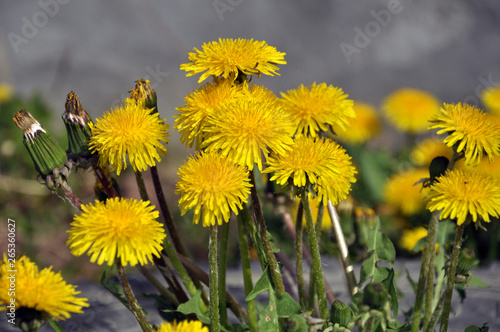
(129, 130)
(6, 92)
(460, 194)
(319, 162)
(491, 99)
(118, 228)
(228, 57)
(316, 107)
(212, 181)
(428, 149)
(44, 291)
(473, 131)
(401, 193)
(192, 116)
(246, 127)
(485, 167)
(359, 130)
(410, 238)
(184, 326)
(410, 109)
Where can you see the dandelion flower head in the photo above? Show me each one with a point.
(319, 162)
(44, 291)
(428, 149)
(211, 181)
(362, 128)
(401, 192)
(460, 194)
(316, 107)
(473, 131)
(491, 99)
(184, 326)
(124, 229)
(410, 238)
(129, 130)
(228, 57)
(410, 109)
(6, 92)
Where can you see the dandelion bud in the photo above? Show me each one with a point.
(144, 94)
(375, 295)
(341, 313)
(465, 261)
(44, 150)
(77, 123)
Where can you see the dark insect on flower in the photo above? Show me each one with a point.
(438, 167)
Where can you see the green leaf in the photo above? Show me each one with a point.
(261, 286)
(475, 281)
(55, 325)
(390, 284)
(193, 307)
(474, 328)
(287, 306)
(419, 246)
(411, 281)
(268, 318)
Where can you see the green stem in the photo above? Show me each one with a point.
(435, 315)
(316, 260)
(299, 268)
(213, 280)
(158, 285)
(312, 288)
(142, 186)
(247, 271)
(432, 234)
(222, 273)
(451, 278)
(134, 305)
(268, 250)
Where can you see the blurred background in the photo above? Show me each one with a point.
(48, 48)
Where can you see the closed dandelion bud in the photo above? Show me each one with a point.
(438, 167)
(44, 150)
(77, 125)
(465, 261)
(375, 295)
(145, 94)
(341, 313)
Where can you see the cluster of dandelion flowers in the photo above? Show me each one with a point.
(401, 192)
(215, 183)
(461, 194)
(228, 57)
(316, 107)
(410, 109)
(124, 229)
(473, 131)
(246, 127)
(129, 130)
(42, 290)
(428, 149)
(319, 162)
(192, 116)
(491, 99)
(362, 128)
(184, 326)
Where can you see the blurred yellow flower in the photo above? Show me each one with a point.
(410, 238)
(410, 109)
(362, 128)
(400, 191)
(485, 167)
(460, 194)
(490, 97)
(428, 149)
(44, 291)
(316, 107)
(6, 92)
(228, 57)
(214, 182)
(184, 326)
(474, 132)
(119, 228)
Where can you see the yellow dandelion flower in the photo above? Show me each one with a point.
(6, 92)
(316, 107)
(44, 291)
(320, 162)
(490, 97)
(410, 238)
(485, 167)
(124, 229)
(129, 130)
(227, 57)
(410, 109)
(192, 116)
(246, 127)
(362, 128)
(460, 194)
(401, 193)
(473, 131)
(184, 326)
(428, 149)
(212, 181)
